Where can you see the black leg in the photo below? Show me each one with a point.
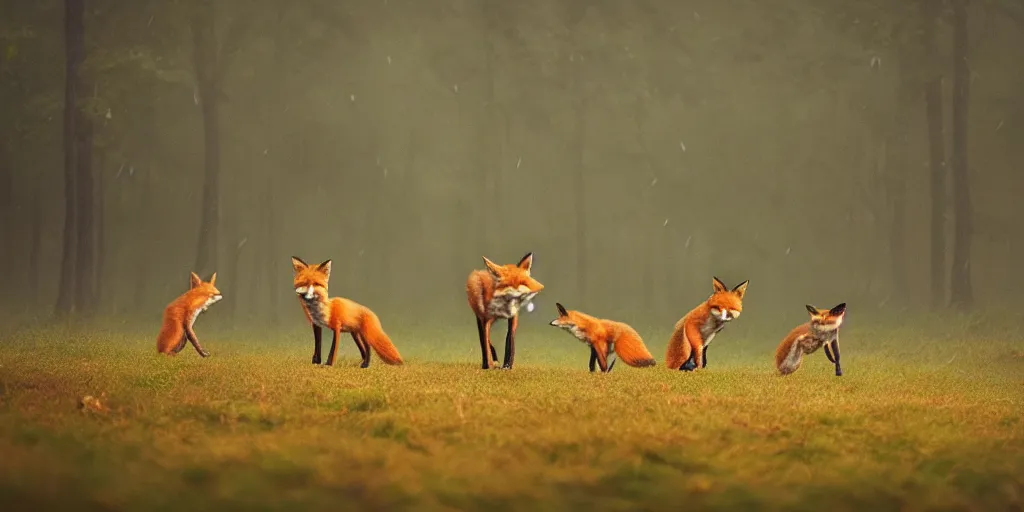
(593, 358)
(317, 336)
(612, 365)
(689, 365)
(334, 348)
(481, 330)
(510, 342)
(704, 359)
(835, 353)
(364, 349)
(828, 353)
(494, 353)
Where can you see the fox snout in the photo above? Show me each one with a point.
(306, 292)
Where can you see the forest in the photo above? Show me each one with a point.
(862, 151)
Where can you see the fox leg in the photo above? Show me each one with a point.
(334, 347)
(835, 353)
(317, 336)
(696, 354)
(181, 344)
(191, 335)
(510, 342)
(364, 349)
(490, 357)
(704, 358)
(593, 358)
(602, 360)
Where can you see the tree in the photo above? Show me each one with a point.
(74, 48)
(210, 65)
(936, 156)
(961, 295)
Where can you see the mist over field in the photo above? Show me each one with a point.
(865, 152)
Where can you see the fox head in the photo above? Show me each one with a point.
(514, 281)
(309, 279)
(207, 291)
(726, 304)
(572, 322)
(827, 319)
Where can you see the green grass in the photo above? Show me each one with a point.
(916, 423)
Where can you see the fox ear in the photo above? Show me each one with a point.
(298, 264)
(811, 309)
(838, 310)
(561, 310)
(325, 267)
(492, 267)
(193, 280)
(718, 285)
(213, 279)
(526, 263)
(741, 289)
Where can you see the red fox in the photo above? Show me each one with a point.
(499, 292)
(181, 314)
(339, 315)
(822, 330)
(687, 348)
(604, 337)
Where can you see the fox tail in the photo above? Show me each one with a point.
(375, 336)
(633, 352)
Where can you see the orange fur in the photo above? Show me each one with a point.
(500, 291)
(339, 315)
(822, 330)
(599, 333)
(180, 315)
(696, 329)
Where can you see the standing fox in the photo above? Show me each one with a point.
(181, 314)
(687, 348)
(339, 315)
(604, 337)
(822, 330)
(499, 292)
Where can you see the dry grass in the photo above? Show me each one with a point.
(257, 426)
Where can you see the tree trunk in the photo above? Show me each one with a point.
(142, 267)
(85, 257)
(101, 228)
(580, 197)
(961, 294)
(207, 77)
(74, 53)
(896, 198)
(936, 158)
(35, 241)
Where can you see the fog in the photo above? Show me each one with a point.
(828, 151)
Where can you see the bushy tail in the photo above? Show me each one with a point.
(788, 357)
(375, 336)
(678, 351)
(632, 351)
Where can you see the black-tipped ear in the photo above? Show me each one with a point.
(811, 309)
(526, 263)
(325, 267)
(298, 264)
(718, 285)
(741, 289)
(838, 310)
(561, 310)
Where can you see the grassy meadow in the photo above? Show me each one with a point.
(920, 421)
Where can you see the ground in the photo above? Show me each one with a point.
(917, 422)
